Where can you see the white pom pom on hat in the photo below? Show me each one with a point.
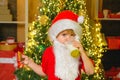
(80, 19)
(65, 20)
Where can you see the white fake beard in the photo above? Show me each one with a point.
(66, 67)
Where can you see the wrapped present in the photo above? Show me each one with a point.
(100, 15)
(8, 64)
(8, 46)
(113, 42)
(20, 47)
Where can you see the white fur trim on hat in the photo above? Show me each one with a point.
(62, 25)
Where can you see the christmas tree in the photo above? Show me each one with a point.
(37, 37)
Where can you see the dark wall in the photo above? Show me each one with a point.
(111, 27)
(7, 30)
(111, 58)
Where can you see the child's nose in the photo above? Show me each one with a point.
(69, 38)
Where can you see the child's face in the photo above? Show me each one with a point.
(65, 36)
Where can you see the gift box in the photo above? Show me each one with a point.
(100, 15)
(8, 65)
(8, 46)
(113, 42)
(114, 15)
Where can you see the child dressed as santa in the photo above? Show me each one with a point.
(57, 61)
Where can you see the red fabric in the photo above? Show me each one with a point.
(113, 72)
(113, 42)
(7, 54)
(100, 15)
(7, 70)
(82, 65)
(20, 47)
(48, 64)
(114, 15)
(116, 78)
(67, 14)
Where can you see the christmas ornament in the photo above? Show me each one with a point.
(81, 12)
(43, 19)
(41, 47)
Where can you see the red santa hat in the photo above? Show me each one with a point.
(65, 20)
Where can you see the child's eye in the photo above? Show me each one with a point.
(72, 34)
(64, 34)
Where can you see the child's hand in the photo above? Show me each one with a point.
(25, 59)
(78, 45)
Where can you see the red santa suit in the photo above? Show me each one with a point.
(48, 64)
